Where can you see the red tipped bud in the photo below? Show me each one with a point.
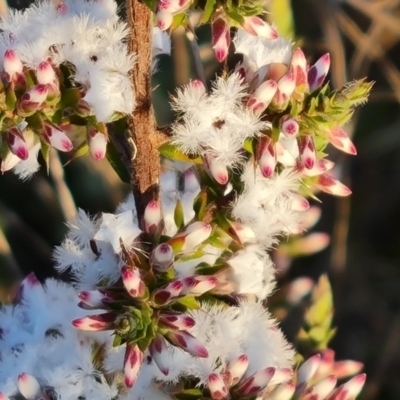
(176, 321)
(343, 369)
(167, 293)
(164, 20)
(198, 85)
(237, 368)
(307, 371)
(17, 144)
(57, 138)
(220, 38)
(319, 168)
(307, 151)
(195, 234)
(262, 96)
(299, 203)
(257, 27)
(12, 65)
(322, 389)
(28, 386)
(329, 184)
(318, 72)
(45, 73)
(350, 389)
(290, 127)
(158, 350)
(282, 392)
(93, 298)
(132, 281)
(187, 342)
(299, 67)
(152, 216)
(132, 364)
(199, 284)
(340, 139)
(97, 143)
(266, 156)
(256, 383)
(245, 234)
(162, 257)
(217, 387)
(217, 170)
(101, 322)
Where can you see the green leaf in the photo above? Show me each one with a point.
(209, 9)
(179, 215)
(152, 4)
(115, 160)
(189, 302)
(281, 14)
(69, 98)
(189, 394)
(11, 98)
(45, 150)
(170, 151)
(200, 205)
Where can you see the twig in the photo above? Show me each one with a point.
(63, 193)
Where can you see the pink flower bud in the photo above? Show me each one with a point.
(282, 392)
(299, 203)
(217, 170)
(132, 364)
(198, 85)
(307, 371)
(57, 138)
(326, 364)
(28, 386)
(45, 73)
(318, 72)
(12, 65)
(257, 27)
(152, 216)
(245, 234)
(37, 94)
(262, 96)
(62, 8)
(307, 151)
(322, 389)
(256, 383)
(319, 168)
(173, 6)
(217, 387)
(266, 156)
(93, 298)
(187, 342)
(286, 87)
(164, 20)
(350, 389)
(201, 284)
(329, 184)
(17, 144)
(162, 257)
(132, 281)
(167, 293)
(340, 139)
(237, 368)
(281, 375)
(195, 234)
(220, 38)
(299, 67)
(343, 369)
(158, 350)
(97, 143)
(290, 127)
(101, 322)
(176, 321)
(30, 286)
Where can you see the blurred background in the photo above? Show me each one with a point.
(363, 257)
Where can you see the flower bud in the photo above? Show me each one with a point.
(299, 67)
(167, 293)
(194, 235)
(164, 20)
(216, 169)
(28, 386)
(152, 216)
(201, 284)
(132, 281)
(56, 138)
(318, 72)
(97, 143)
(16, 143)
(282, 392)
(31, 101)
(245, 234)
(187, 342)
(257, 27)
(158, 350)
(307, 371)
(45, 73)
(217, 387)
(262, 96)
(319, 168)
(12, 65)
(162, 257)
(198, 85)
(286, 87)
(93, 298)
(176, 321)
(266, 156)
(307, 151)
(329, 184)
(101, 322)
(132, 364)
(289, 127)
(343, 369)
(299, 203)
(237, 368)
(340, 139)
(220, 38)
(322, 389)
(255, 383)
(350, 389)
(281, 375)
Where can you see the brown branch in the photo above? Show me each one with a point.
(145, 165)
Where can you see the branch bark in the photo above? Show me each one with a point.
(145, 165)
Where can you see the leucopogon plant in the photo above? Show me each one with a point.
(168, 296)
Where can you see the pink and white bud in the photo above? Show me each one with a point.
(167, 293)
(201, 284)
(281, 375)
(195, 234)
(307, 151)
(350, 389)
(266, 156)
(217, 387)
(329, 184)
(173, 6)
(237, 368)
(299, 203)
(198, 85)
(57, 138)
(162, 257)
(220, 39)
(289, 127)
(176, 321)
(318, 72)
(37, 94)
(93, 298)
(256, 383)
(101, 322)
(187, 342)
(319, 168)
(216, 169)
(164, 20)
(262, 96)
(282, 392)
(132, 364)
(12, 65)
(340, 139)
(30, 287)
(299, 67)
(322, 389)
(17, 144)
(152, 216)
(28, 386)
(343, 369)
(245, 234)
(286, 85)
(257, 27)
(45, 73)
(132, 281)
(307, 371)
(158, 350)
(97, 143)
